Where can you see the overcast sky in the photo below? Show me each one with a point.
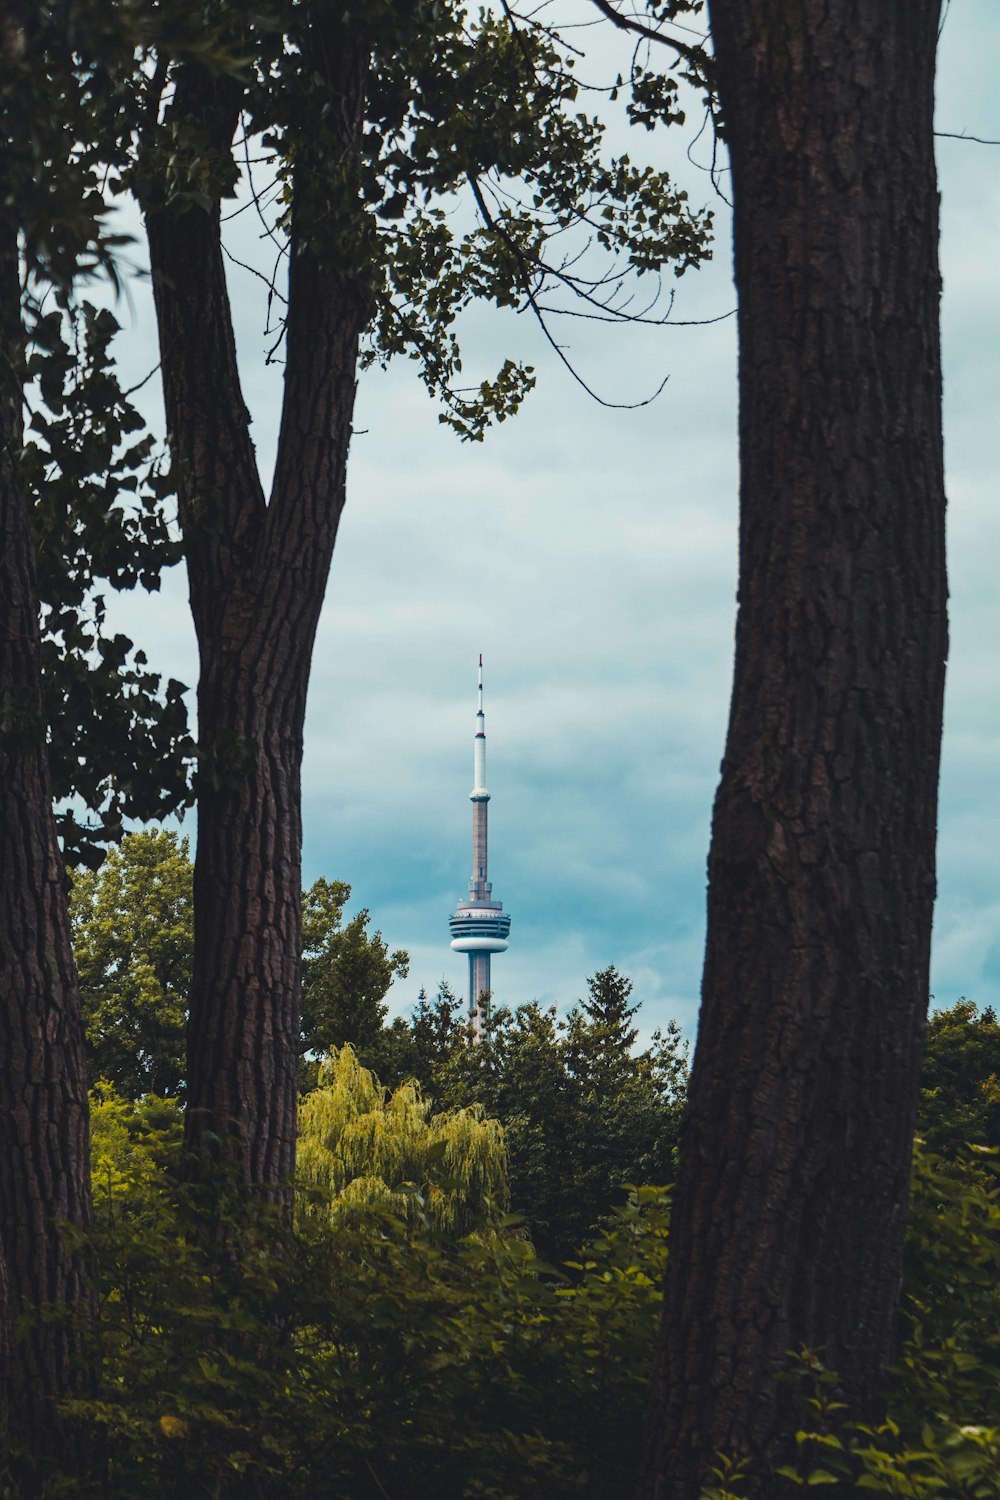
(590, 554)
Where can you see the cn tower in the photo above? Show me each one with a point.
(480, 925)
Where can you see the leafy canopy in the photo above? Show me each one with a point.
(361, 1144)
(133, 936)
(357, 1354)
(960, 1080)
(132, 931)
(477, 175)
(346, 971)
(117, 734)
(364, 1356)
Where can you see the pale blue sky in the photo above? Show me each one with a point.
(591, 555)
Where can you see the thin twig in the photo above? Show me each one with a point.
(533, 302)
(627, 23)
(144, 381)
(254, 272)
(956, 135)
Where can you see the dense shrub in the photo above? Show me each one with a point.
(356, 1356)
(374, 1354)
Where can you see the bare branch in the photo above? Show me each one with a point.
(531, 297)
(961, 135)
(267, 280)
(628, 23)
(140, 383)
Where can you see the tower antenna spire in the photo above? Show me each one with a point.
(480, 925)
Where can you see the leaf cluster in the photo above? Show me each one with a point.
(960, 1080)
(75, 84)
(474, 175)
(131, 924)
(346, 972)
(133, 937)
(118, 736)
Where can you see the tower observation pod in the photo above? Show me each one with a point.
(480, 925)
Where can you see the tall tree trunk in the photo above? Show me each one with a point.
(44, 1149)
(258, 571)
(795, 1152)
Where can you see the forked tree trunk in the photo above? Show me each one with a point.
(44, 1152)
(795, 1153)
(258, 571)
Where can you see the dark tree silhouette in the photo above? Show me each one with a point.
(44, 1166)
(795, 1152)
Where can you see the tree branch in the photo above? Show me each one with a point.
(626, 23)
(532, 300)
(328, 305)
(960, 135)
(220, 489)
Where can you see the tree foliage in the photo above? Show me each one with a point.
(359, 1144)
(482, 107)
(346, 972)
(363, 1356)
(960, 1080)
(132, 939)
(356, 1356)
(118, 738)
(98, 487)
(583, 1111)
(628, 1101)
(134, 1143)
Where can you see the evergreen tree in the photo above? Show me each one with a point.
(628, 1103)
(599, 1034)
(584, 1113)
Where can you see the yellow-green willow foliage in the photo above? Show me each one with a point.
(363, 1145)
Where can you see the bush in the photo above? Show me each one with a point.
(357, 1356)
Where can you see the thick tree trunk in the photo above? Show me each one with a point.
(792, 1198)
(44, 1150)
(258, 571)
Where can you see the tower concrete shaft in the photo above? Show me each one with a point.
(479, 926)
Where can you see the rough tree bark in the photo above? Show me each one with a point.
(258, 570)
(44, 1148)
(794, 1163)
